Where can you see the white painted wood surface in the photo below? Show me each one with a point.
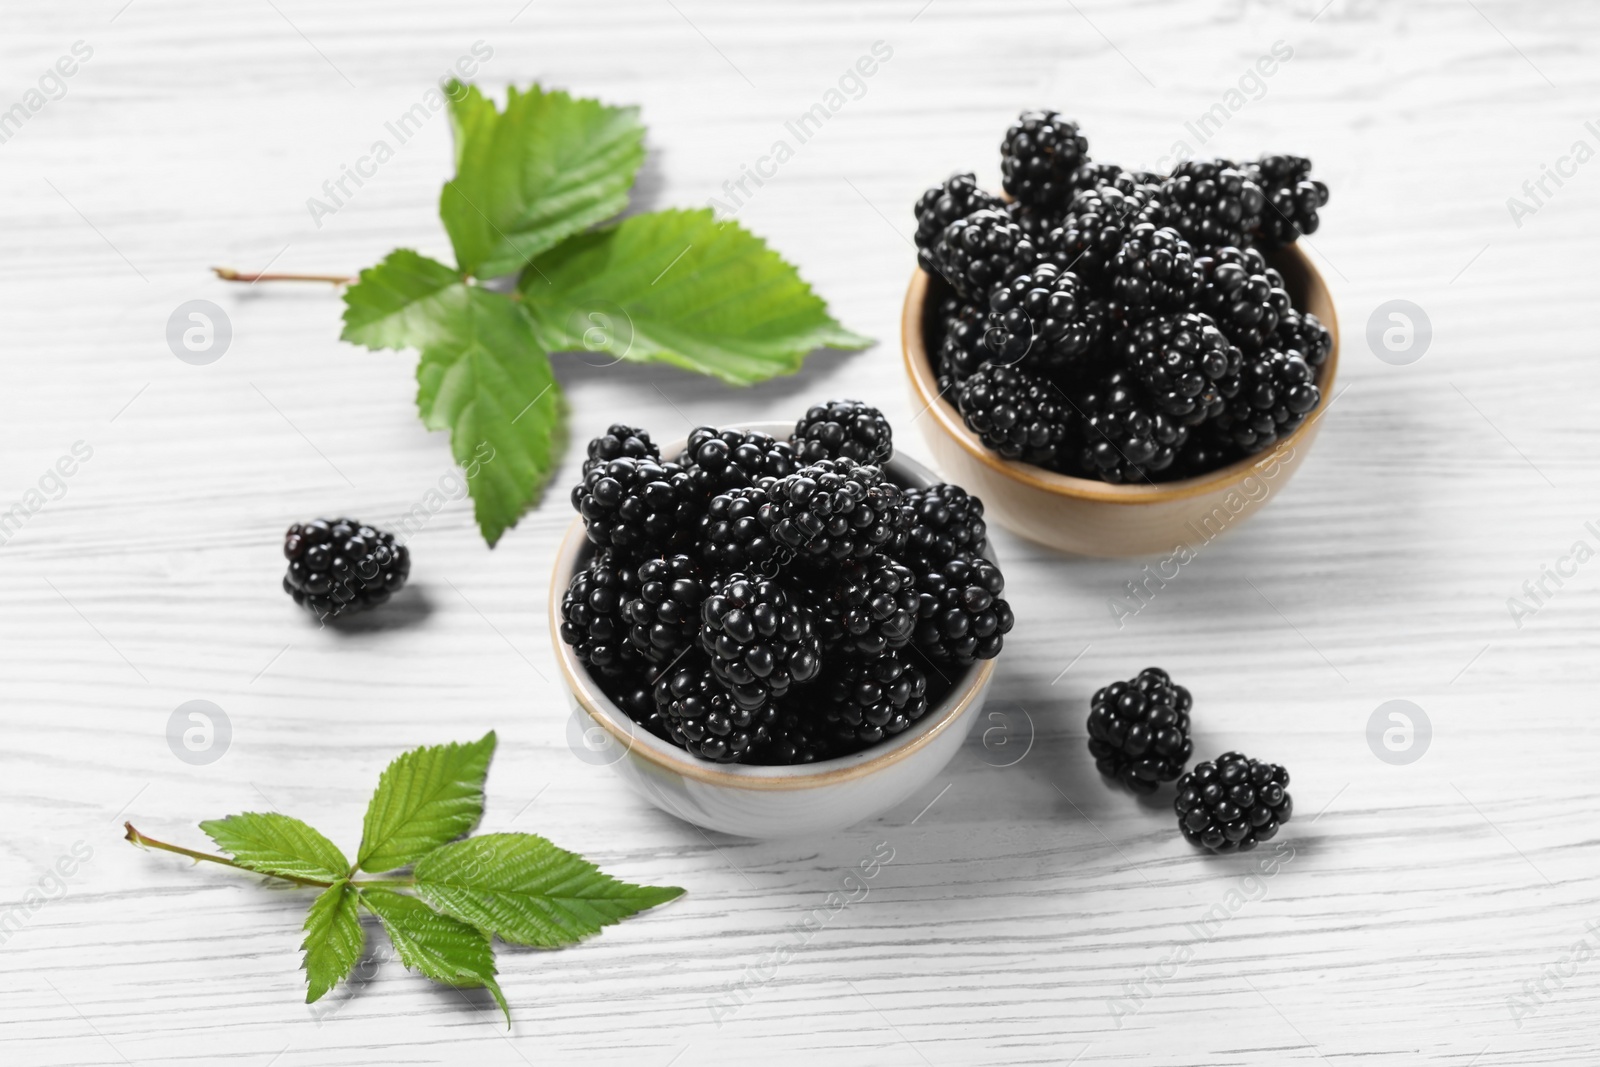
(1022, 901)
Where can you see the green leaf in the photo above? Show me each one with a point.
(276, 844)
(424, 798)
(333, 939)
(524, 889)
(549, 166)
(483, 376)
(470, 112)
(680, 287)
(445, 949)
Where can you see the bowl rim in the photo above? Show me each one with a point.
(919, 369)
(604, 711)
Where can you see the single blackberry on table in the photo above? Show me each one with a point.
(1212, 203)
(957, 198)
(719, 460)
(1269, 399)
(868, 607)
(617, 442)
(1303, 332)
(836, 509)
(760, 639)
(796, 735)
(702, 715)
(960, 614)
(1233, 803)
(947, 524)
(1016, 414)
(1040, 152)
(663, 615)
(340, 566)
(638, 506)
(1180, 359)
(978, 252)
(1244, 295)
(1045, 320)
(591, 614)
(1139, 730)
(1154, 270)
(843, 429)
(1126, 437)
(732, 535)
(1293, 198)
(867, 700)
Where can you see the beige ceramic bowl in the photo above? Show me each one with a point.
(1093, 518)
(765, 802)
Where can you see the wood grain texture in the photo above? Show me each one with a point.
(1022, 901)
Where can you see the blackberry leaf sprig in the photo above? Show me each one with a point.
(460, 892)
(532, 183)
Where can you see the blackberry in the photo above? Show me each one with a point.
(960, 614)
(1244, 295)
(1036, 220)
(869, 700)
(591, 615)
(1015, 414)
(1126, 437)
(702, 715)
(1212, 203)
(1154, 271)
(1039, 155)
(869, 607)
(760, 640)
(617, 442)
(638, 506)
(843, 429)
(937, 208)
(1088, 175)
(1233, 804)
(1094, 230)
(796, 736)
(1045, 320)
(663, 615)
(719, 460)
(638, 700)
(1269, 399)
(1292, 198)
(978, 252)
(1139, 730)
(947, 524)
(1208, 448)
(836, 509)
(1303, 332)
(732, 536)
(1180, 359)
(965, 345)
(340, 566)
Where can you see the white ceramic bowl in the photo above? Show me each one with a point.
(767, 802)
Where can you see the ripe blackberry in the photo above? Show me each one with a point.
(869, 607)
(703, 716)
(1096, 225)
(638, 506)
(760, 640)
(663, 615)
(1292, 198)
(1126, 438)
(732, 536)
(836, 509)
(871, 699)
(843, 429)
(937, 208)
(637, 698)
(1233, 804)
(1036, 220)
(965, 344)
(1269, 399)
(1180, 359)
(719, 460)
(1303, 332)
(1154, 270)
(617, 442)
(1209, 448)
(947, 524)
(1045, 320)
(1088, 175)
(1244, 295)
(339, 566)
(1139, 730)
(1016, 414)
(1040, 152)
(960, 614)
(978, 252)
(591, 614)
(1212, 203)
(795, 736)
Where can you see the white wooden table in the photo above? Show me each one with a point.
(1433, 912)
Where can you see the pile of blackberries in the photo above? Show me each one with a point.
(1121, 325)
(767, 601)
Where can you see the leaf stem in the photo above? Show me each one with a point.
(228, 274)
(140, 839)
